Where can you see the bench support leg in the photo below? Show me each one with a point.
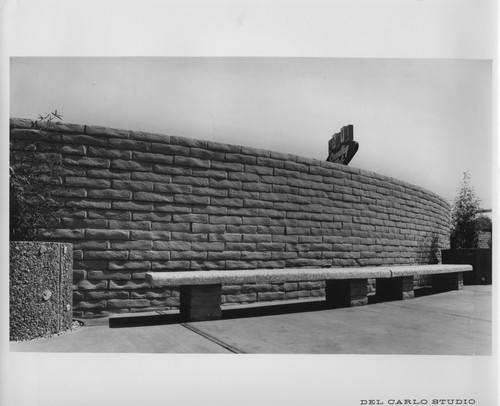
(347, 292)
(450, 281)
(200, 302)
(397, 288)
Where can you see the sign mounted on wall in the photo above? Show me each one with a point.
(342, 147)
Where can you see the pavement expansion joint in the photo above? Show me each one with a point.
(213, 339)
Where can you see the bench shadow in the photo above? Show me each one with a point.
(274, 309)
(228, 313)
(418, 292)
(425, 291)
(144, 321)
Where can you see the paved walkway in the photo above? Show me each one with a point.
(450, 323)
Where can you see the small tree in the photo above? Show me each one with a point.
(464, 227)
(483, 223)
(32, 185)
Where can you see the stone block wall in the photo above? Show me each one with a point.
(132, 202)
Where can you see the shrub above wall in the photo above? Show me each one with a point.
(132, 202)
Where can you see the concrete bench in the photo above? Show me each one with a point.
(200, 291)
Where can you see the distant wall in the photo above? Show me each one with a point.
(133, 202)
(485, 239)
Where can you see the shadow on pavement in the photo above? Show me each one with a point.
(141, 321)
(227, 313)
(239, 312)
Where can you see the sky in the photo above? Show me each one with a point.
(423, 121)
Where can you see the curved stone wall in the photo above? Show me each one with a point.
(132, 202)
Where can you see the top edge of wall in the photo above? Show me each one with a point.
(24, 123)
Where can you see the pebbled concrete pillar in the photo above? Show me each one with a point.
(40, 289)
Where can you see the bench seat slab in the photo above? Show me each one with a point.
(346, 292)
(430, 269)
(397, 288)
(445, 282)
(200, 302)
(158, 279)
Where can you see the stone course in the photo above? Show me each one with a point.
(132, 202)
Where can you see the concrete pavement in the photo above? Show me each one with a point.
(450, 323)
